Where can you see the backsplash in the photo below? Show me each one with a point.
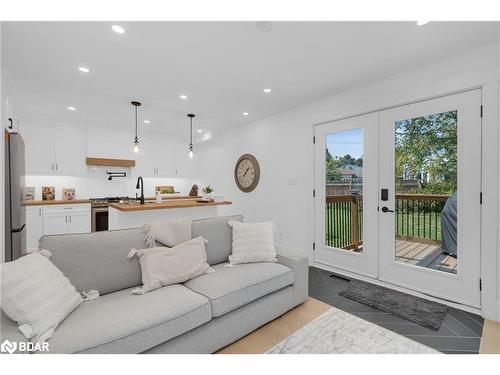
(97, 186)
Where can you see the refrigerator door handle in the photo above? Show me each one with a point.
(17, 230)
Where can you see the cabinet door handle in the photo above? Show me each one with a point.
(52, 167)
(70, 219)
(66, 219)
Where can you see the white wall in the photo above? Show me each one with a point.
(283, 143)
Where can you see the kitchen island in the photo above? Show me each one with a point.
(133, 215)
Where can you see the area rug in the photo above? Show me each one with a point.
(418, 310)
(338, 332)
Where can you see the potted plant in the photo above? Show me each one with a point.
(207, 192)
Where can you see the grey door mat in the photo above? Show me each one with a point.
(418, 310)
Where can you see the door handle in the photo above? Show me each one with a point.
(385, 210)
(66, 219)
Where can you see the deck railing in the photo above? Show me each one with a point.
(417, 216)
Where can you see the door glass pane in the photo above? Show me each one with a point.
(344, 190)
(426, 191)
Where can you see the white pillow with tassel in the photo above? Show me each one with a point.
(37, 295)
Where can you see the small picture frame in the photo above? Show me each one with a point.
(68, 194)
(48, 193)
(29, 193)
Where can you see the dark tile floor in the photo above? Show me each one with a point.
(460, 332)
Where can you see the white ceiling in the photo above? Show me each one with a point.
(222, 66)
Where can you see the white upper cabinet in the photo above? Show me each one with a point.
(54, 150)
(69, 150)
(38, 146)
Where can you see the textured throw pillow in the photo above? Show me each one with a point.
(163, 266)
(252, 242)
(37, 295)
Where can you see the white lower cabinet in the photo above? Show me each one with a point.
(33, 227)
(56, 219)
(79, 221)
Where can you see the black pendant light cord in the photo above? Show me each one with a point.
(191, 116)
(136, 104)
(135, 123)
(191, 132)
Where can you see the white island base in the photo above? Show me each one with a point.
(118, 219)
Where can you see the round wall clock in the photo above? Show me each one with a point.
(247, 173)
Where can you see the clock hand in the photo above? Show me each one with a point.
(244, 174)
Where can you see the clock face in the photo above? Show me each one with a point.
(247, 173)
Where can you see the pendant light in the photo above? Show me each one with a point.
(135, 147)
(191, 153)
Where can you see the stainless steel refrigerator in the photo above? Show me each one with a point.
(15, 213)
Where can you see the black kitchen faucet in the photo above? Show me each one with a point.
(140, 183)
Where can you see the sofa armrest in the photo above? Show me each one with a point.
(299, 263)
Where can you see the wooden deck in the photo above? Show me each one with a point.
(424, 255)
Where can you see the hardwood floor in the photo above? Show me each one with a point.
(267, 336)
(490, 343)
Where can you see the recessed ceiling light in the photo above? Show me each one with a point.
(147, 122)
(245, 113)
(70, 108)
(183, 96)
(199, 131)
(118, 29)
(83, 69)
(421, 23)
(267, 91)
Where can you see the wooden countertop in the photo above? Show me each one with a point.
(176, 203)
(48, 203)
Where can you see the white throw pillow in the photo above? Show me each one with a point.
(162, 266)
(252, 242)
(37, 295)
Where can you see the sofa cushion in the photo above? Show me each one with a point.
(231, 287)
(219, 235)
(97, 260)
(125, 323)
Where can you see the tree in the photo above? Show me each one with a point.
(332, 168)
(426, 151)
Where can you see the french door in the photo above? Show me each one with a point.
(346, 170)
(398, 196)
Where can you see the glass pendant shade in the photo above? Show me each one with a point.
(136, 148)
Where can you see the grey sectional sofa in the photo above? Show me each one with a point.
(199, 316)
